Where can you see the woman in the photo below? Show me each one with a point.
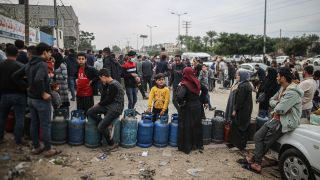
(190, 127)
(239, 110)
(61, 78)
(269, 87)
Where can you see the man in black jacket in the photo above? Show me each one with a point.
(39, 99)
(147, 72)
(22, 55)
(111, 105)
(176, 76)
(72, 68)
(13, 94)
(111, 64)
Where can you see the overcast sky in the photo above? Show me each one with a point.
(119, 21)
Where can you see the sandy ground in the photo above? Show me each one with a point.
(79, 162)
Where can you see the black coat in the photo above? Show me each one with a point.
(176, 74)
(91, 73)
(111, 64)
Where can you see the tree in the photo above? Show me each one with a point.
(116, 48)
(211, 35)
(86, 39)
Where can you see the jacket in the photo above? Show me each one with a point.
(37, 75)
(111, 64)
(162, 67)
(176, 75)
(7, 84)
(288, 106)
(112, 97)
(147, 70)
(72, 65)
(128, 68)
(98, 64)
(159, 98)
(91, 73)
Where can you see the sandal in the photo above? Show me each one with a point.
(248, 167)
(242, 161)
(52, 152)
(37, 151)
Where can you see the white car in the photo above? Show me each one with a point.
(281, 59)
(311, 60)
(299, 153)
(250, 67)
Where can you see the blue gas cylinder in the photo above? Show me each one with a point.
(145, 131)
(92, 137)
(173, 137)
(161, 132)
(129, 128)
(76, 127)
(59, 126)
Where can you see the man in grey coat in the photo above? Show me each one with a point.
(147, 72)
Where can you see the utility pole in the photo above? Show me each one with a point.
(56, 21)
(186, 25)
(150, 27)
(143, 37)
(264, 31)
(179, 14)
(26, 22)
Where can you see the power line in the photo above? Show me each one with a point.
(66, 9)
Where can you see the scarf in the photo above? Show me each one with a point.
(190, 81)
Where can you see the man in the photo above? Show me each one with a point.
(260, 73)
(139, 71)
(13, 94)
(90, 58)
(176, 76)
(22, 56)
(162, 67)
(147, 72)
(72, 67)
(111, 64)
(111, 105)
(87, 78)
(309, 87)
(39, 99)
(286, 105)
(130, 79)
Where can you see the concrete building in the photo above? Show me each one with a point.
(42, 17)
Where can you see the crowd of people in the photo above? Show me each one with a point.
(37, 79)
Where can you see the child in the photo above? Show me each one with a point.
(159, 97)
(86, 77)
(56, 99)
(204, 80)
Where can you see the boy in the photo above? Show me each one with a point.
(86, 77)
(204, 80)
(111, 104)
(159, 97)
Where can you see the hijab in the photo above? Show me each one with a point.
(190, 81)
(244, 75)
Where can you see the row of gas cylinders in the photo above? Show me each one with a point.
(128, 132)
(215, 129)
(146, 133)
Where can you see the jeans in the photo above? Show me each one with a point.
(265, 137)
(132, 97)
(71, 84)
(41, 114)
(95, 113)
(306, 114)
(19, 103)
(147, 81)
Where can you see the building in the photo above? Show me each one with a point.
(42, 17)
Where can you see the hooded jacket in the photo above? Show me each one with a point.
(38, 79)
(288, 106)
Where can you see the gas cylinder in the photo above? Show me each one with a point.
(218, 127)
(76, 127)
(173, 134)
(145, 131)
(59, 126)
(129, 128)
(161, 132)
(206, 131)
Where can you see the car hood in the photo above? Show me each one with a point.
(307, 130)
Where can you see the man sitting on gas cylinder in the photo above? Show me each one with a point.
(111, 105)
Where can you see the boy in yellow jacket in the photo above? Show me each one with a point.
(159, 97)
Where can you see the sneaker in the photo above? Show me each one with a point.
(72, 99)
(212, 109)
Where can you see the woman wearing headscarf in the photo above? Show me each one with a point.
(61, 78)
(190, 112)
(269, 87)
(239, 109)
